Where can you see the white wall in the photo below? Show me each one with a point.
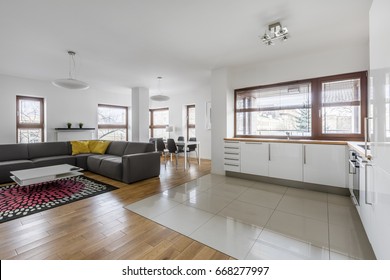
(62, 105)
(176, 105)
(344, 59)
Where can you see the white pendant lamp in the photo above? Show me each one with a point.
(159, 97)
(71, 82)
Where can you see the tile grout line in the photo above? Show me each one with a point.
(266, 223)
(216, 214)
(327, 211)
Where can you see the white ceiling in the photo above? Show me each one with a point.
(128, 43)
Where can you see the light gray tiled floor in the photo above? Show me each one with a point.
(254, 220)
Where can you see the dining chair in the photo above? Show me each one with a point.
(180, 146)
(153, 141)
(162, 149)
(173, 149)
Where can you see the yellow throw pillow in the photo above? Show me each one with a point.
(80, 147)
(98, 146)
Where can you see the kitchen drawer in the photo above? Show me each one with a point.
(232, 161)
(231, 155)
(232, 167)
(232, 145)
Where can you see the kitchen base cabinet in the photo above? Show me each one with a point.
(231, 156)
(285, 161)
(254, 158)
(325, 164)
(375, 211)
(322, 167)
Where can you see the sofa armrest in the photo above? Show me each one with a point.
(140, 166)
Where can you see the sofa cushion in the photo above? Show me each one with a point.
(13, 152)
(13, 165)
(98, 146)
(80, 147)
(48, 149)
(93, 162)
(54, 160)
(138, 147)
(112, 168)
(117, 148)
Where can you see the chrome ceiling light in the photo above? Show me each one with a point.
(71, 82)
(276, 32)
(159, 97)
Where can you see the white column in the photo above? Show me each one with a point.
(139, 124)
(222, 116)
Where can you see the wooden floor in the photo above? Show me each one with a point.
(100, 227)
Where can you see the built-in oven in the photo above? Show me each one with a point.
(354, 169)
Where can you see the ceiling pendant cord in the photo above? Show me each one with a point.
(72, 65)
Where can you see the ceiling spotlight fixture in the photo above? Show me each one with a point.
(71, 82)
(276, 32)
(159, 97)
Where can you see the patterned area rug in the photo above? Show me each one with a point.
(17, 201)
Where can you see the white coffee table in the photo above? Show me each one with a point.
(32, 176)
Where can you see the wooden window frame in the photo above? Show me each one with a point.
(363, 106)
(189, 126)
(151, 124)
(116, 126)
(316, 97)
(40, 125)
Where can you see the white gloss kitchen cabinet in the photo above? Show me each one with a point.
(379, 202)
(374, 201)
(285, 161)
(254, 158)
(366, 202)
(379, 84)
(325, 165)
(231, 156)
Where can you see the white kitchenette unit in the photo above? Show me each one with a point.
(312, 162)
(374, 201)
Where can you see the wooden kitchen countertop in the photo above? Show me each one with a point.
(299, 141)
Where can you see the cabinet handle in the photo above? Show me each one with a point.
(352, 164)
(231, 159)
(232, 142)
(269, 152)
(227, 153)
(366, 183)
(236, 165)
(233, 148)
(366, 134)
(304, 154)
(253, 143)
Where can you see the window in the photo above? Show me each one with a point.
(323, 108)
(29, 119)
(158, 121)
(273, 111)
(342, 106)
(190, 121)
(112, 123)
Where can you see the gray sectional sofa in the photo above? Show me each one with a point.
(123, 161)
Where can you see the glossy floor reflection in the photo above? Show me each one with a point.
(254, 220)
